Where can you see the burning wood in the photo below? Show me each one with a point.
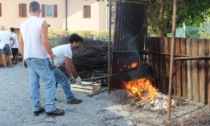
(142, 89)
(146, 95)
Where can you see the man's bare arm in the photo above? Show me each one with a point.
(13, 41)
(20, 45)
(45, 42)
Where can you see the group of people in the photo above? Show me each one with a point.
(43, 62)
(8, 46)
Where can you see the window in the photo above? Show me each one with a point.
(49, 10)
(0, 10)
(86, 11)
(22, 10)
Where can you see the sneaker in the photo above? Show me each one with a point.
(74, 101)
(36, 113)
(57, 112)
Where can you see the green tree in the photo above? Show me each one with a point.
(192, 12)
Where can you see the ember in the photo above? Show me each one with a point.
(142, 90)
(133, 64)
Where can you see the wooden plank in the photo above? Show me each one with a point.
(174, 79)
(189, 69)
(206, 70)
(201, 72)
(178, 73)
(85, 90)
(195, 83)
(161, 65)
(167, 63)
(184, 69)
(152, 48)
(88, 87)
(208, 43)
(157, 48)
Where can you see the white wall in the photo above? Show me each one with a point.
(75, 15)
(10, 13)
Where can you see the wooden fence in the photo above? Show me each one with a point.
(191, 78)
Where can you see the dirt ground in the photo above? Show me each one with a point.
(185, 113)
(103, 109)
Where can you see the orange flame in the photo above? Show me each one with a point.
(142, 89)
(133, 64)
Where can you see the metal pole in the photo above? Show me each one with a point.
(66, 15)
(109, 45)
(171, 60)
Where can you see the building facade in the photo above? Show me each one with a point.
(72, 15)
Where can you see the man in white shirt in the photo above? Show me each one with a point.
(14, 46)
(5, 38)
(64, 55)
(36, 51)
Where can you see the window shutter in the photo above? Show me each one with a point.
(89, 12)
(0, 10)
(86, 11)
(43, 10)
(55, 11)
(24, 10)
(20, 10)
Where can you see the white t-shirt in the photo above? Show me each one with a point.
(14, 36)
(4, 38)
(1, 45)
(30, 30)
(61, 52)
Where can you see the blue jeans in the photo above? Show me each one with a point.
(61, 78)
(40, 68)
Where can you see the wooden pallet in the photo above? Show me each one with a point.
(87, 87)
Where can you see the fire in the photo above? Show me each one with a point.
(142, 90)
(133, 64)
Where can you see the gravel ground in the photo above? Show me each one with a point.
(15, 107)
(100, 110)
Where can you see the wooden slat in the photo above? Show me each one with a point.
(209, 75)
(88, 87)
(167, 63)
(178, 73)
(201, 72)
(189, 69)
(184, 69)
(195, 82)
(206, 70)
(157, 63)
(174, 79)
(160, 69)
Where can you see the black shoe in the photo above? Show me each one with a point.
(57, 112)
(36, 113)
(74, 101)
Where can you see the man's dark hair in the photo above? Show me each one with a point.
(34, 6)
(75, 38)
(12, 29)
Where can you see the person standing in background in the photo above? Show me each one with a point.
(14, 46)
(36, 51)
(5, 38)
